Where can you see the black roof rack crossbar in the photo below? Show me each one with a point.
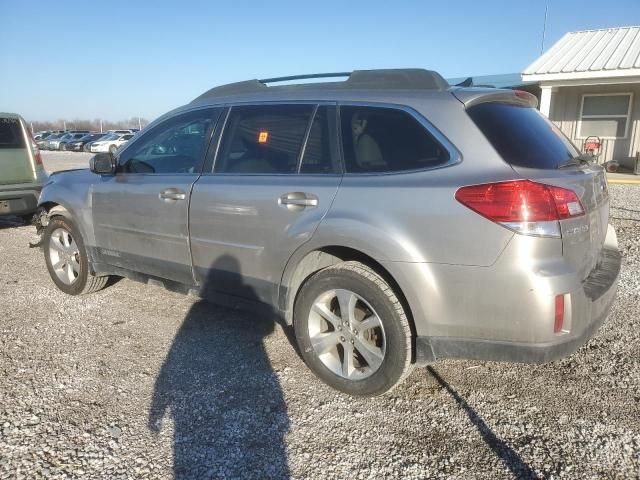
(393, 79)
(305, 77)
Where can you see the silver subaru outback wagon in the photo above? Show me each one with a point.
(391, 219)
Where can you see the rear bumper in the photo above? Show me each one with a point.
(590, 305)
(19, 200)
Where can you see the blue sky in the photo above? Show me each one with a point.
(118, 59)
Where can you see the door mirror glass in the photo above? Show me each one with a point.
(103, 164)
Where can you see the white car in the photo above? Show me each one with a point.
(110, 143)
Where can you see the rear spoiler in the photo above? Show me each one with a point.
(474, 96)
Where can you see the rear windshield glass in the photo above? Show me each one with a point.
(522, 136)
(11, 133)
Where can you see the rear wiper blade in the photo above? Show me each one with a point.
(574, 162)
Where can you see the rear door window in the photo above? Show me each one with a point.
(319, 151)
(11, 133)
(378, 139)
(522, 135)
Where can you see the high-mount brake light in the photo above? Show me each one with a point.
(524, 95)
(526, 207)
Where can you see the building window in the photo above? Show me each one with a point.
(605, 115)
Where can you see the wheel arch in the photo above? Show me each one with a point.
(300, 269)
(54, 207)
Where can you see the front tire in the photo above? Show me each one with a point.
(352, 330)
(66, 258)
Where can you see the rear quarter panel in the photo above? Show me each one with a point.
(413, 216)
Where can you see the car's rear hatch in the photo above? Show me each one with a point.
(537, 150)
(15, 159)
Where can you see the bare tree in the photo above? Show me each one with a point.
(85, 124)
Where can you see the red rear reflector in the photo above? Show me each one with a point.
(520, 201)
(559, 320)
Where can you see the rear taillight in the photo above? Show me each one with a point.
(37, 158)
(527, 207)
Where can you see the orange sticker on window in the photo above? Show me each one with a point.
(262, 137)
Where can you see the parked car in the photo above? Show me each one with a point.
(79, 145)
(53, 142)
(393, 220)
(110, 143)
(42, 135)
(121, 131)
(21, 172)
(50, 141)
(70, 137)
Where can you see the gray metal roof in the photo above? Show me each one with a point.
(609, 52)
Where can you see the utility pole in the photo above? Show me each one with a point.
(139, 124)
(100, 125)
(64, 125)
(544, 26)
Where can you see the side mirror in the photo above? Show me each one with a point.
(103, 164)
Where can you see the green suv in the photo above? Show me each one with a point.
(21, 172)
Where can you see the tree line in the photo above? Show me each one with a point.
(83, 124)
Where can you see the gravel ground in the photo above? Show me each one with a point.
(138, 382)
(54, 161)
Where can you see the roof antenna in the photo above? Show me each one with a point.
(467, 82)
(544, 26)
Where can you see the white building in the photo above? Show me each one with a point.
(590, 86)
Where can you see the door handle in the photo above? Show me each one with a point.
(298, 200)
(172, 194)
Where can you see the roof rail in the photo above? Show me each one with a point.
(304, 77)
(394, 79)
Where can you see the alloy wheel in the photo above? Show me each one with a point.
(64, 255)
(346, 334)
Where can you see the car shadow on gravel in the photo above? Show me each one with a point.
(511, 459)
(218, 386)
(12, 222)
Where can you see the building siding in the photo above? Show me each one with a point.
(565, 113)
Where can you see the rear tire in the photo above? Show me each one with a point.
(66, 258)
(352, 330)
